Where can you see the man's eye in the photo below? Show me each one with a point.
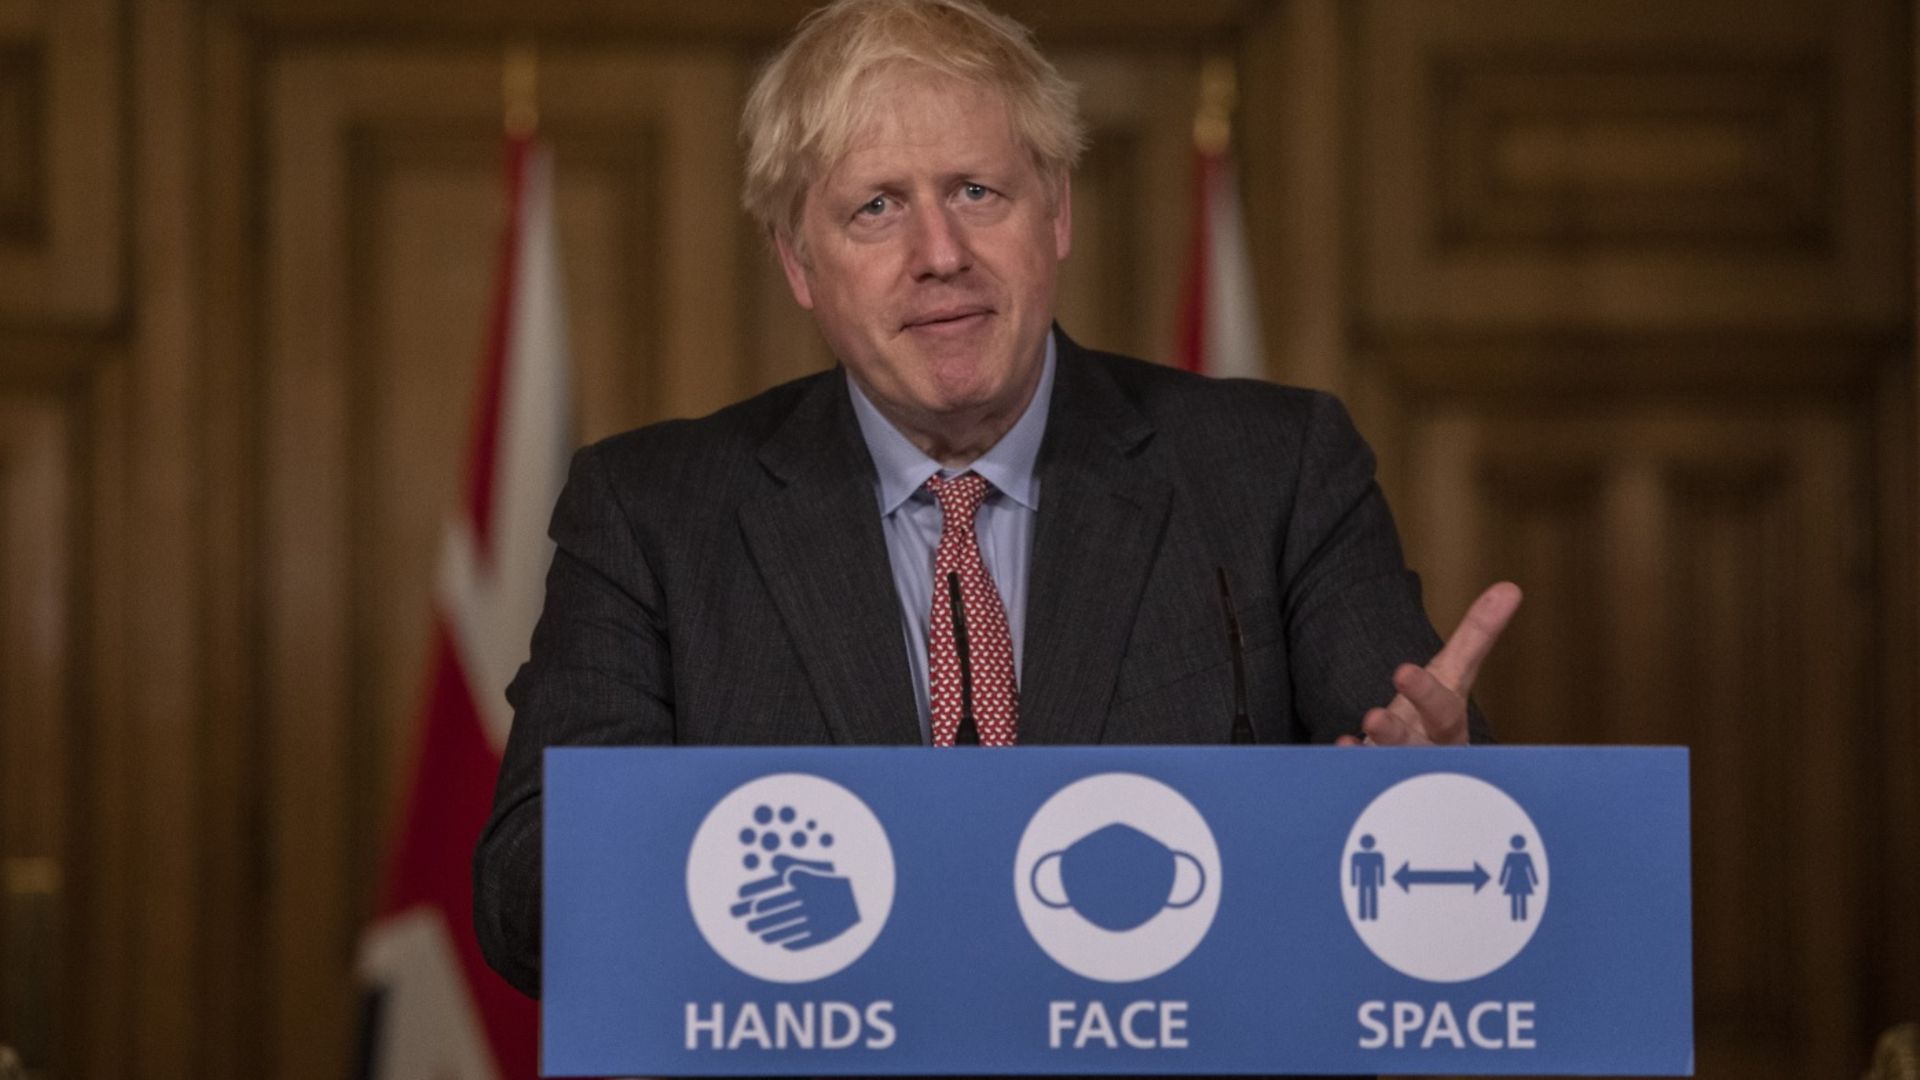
(875, 206)
(975, 192)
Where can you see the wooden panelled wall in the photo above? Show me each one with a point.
(1622, 293)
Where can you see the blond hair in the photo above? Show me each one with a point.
(809, 101)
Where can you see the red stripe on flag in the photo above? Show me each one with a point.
(484, 452)
(1192, 343)
(448, 798)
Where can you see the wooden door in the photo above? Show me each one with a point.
(1622, 295)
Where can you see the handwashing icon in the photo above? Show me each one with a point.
(790, 877)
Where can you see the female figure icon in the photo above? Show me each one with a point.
(1517, 878)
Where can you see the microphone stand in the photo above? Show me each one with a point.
(1243, 732)
(968, 734)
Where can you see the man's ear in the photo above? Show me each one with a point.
(1063, 219)
(795, 267)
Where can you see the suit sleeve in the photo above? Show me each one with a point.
(600, 673)
(1352, 607)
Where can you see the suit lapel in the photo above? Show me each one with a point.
(817, 544)
(1099, 526)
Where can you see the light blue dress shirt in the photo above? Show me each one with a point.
(910, 519)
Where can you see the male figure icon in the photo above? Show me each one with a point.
(1367, 872)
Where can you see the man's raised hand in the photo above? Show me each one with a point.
(1430, 708)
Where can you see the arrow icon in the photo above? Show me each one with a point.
(1407, 877)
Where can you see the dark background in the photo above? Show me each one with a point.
(1622, 292)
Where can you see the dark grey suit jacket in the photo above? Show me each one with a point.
(725, 580)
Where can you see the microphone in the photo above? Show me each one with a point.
(1242, 723)
(968, 734)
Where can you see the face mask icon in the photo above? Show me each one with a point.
(1117, 878)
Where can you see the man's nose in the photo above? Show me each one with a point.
(940, 244)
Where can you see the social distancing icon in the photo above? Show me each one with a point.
(1444, 877)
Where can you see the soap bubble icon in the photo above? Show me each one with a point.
(1117, 877)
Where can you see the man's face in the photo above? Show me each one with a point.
(928, 256)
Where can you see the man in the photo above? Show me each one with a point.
(783, 572)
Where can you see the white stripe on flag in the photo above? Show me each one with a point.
(494, 604)
(1233, 348)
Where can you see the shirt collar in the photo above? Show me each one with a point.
(1009, 465)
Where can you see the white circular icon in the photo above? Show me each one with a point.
(790, 878)
(1444, 877)
(1117, 877)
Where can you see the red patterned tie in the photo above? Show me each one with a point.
(996, 700)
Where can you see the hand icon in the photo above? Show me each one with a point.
(800, 905)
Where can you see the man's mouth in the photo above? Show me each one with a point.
(949, 319)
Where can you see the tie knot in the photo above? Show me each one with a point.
(960, 496)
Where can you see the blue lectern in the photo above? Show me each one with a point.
(1135, 910)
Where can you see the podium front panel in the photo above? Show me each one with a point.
(1139, 910)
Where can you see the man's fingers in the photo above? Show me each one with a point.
(1457, 663)
(1431, 703)
(1413, 728)
(1442, 713)
(1383, 727)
